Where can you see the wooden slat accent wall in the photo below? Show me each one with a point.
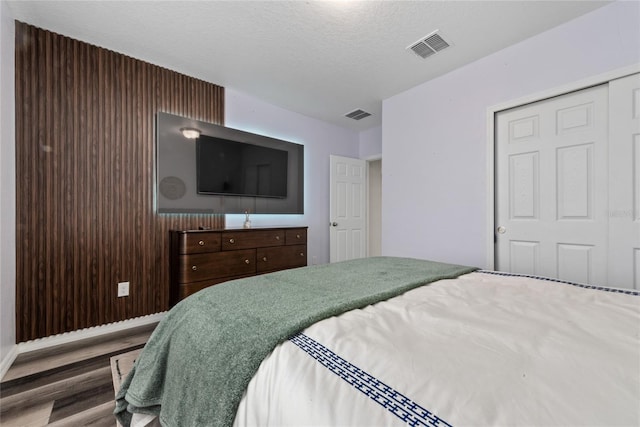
(85, 181)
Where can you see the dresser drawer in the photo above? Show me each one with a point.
(192, 243)
(233, 240)
(280, 258)
(296, 236)
(198, 267)
(186, 289)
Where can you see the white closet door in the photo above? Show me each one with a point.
(551, 187)
(624, 184)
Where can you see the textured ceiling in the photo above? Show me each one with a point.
(319, 58)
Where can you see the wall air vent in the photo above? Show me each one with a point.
(357, 114)
(429, 45)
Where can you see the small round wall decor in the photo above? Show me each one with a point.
(172, 187)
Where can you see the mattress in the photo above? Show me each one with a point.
(483, 349)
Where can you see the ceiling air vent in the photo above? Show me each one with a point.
(429, 45)
(357, 114)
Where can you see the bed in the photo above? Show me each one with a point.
(391, 341)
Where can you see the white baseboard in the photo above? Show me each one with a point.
(6, 363)
(96, 331)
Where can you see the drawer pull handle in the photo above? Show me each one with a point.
(297, 236)
(201, 242)
(194, 267)
(264, 258)
(277, 237)
(232, 241)
(301, 253)
(246, 261)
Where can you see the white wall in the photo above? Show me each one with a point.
(371, 143)
(7, 190)
(434, 136)
(320, 139)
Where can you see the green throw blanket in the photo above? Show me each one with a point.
(202, 355)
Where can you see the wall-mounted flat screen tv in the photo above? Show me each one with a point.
(227, 167)
(225, 170)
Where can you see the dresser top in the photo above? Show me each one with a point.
(241, 229)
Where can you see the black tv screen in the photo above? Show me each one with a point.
(226, 167)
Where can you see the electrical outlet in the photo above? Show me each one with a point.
(314, 260)
(123, 289)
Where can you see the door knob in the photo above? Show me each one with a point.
(501, 230)
(334, 224)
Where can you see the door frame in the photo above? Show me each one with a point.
(491, 138)
(369, 160)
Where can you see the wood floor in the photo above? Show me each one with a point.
(69, 385)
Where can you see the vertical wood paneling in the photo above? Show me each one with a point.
(85, 164)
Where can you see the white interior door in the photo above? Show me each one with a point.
(347, 205)
(552, 187)
(624, 185)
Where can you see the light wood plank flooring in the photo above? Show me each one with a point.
(68, 385)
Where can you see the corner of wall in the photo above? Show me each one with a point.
(7, 191)
(370, 143)
(7, 360)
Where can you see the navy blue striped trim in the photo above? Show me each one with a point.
(399, 405)
(580, 285)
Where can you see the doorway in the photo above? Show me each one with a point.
(355, 208)
(374, 210)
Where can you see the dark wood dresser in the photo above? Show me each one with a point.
(202, 258)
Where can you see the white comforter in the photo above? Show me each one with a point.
(479, 350)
